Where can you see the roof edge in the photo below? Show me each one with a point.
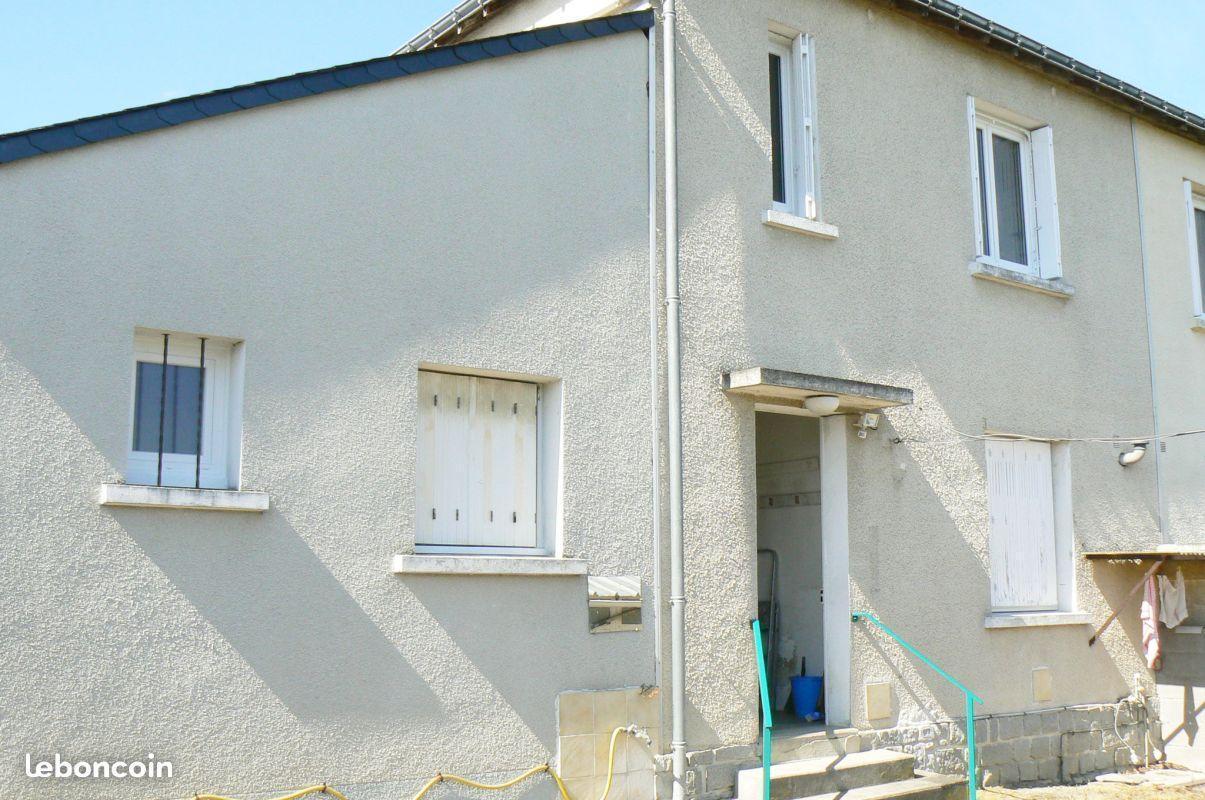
(169, 113)
(983, 31)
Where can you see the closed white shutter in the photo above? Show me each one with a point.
(441, 488)
(1050, 258)
(476, 471)
(1021, 510)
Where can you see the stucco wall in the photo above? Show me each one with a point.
(1166, 161)
(891, 301)
(489, 216)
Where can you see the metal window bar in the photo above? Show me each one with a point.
(767, 716)
(200, 412)
(971, 697)
(162, 412)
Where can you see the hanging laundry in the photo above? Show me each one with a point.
(1173, 600)
(1150, 625)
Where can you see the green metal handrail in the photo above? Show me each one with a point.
(971, 697)
(767, 718)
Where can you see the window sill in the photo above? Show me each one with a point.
(1198, 323)
(789, 222)
(1035, 619)
(134, 496)
(991, 272)
(451, 564)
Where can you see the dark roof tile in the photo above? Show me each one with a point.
(140, 120)
(55, 139)
(14, 147)
(179, 111)
(252, 96)
(98, 129)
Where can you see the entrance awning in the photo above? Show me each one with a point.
(776, 387)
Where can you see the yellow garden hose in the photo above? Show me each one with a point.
(440, 777)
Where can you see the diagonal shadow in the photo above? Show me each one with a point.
(266, 592)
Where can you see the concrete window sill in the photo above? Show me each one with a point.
(1198, 323)
(133, 496)
(789, 222)
(1035, 619)
(991, 272)
(453, 564)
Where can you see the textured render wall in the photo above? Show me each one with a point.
(1165, 162)
(891, 301)
(442, 218)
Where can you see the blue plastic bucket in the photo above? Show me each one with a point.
(805, 694)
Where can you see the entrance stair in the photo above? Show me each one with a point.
(836, 775)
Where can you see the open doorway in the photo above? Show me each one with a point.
(790, 575)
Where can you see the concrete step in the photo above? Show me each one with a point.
(825, 774)
(813, 744)
(925, 786)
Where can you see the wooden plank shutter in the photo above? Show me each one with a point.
(502, 491)
(441, 490)
(1021, 512)
(1050, 258)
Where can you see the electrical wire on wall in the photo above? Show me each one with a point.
(1019, 437)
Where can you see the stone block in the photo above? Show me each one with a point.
(719, 777)
(1050, 722)
(700, 757)
(1048, 769)
(1070, 767)
(1010, 775)
(1032, 724)
(1029, 771)
(982, 730)
(1009, 727)
(990, 778)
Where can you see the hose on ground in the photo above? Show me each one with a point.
(441, 777)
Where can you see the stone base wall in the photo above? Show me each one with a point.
(1033, 748)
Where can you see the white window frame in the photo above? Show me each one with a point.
(1062, 531)
(548, 510)
(800, 145)
(221, 428)
(1194, 202)
(1039, 193)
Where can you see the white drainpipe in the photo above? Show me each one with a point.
(654, 361)
(673, 403)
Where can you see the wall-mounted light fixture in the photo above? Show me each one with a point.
(1132, 456)
(821, 404)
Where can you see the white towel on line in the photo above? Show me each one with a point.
(1173, 600)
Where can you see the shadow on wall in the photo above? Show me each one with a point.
(262, 588)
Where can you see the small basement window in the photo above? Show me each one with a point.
(185, 414)
(477, 465)
(614, 603)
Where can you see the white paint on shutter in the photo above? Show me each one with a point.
(476, 462)
(441, 488)
(1050, 259)
(1022, 547)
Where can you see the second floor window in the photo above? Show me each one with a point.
(1196, 247)
(1016, 209)
(476, 470)
(793, 125)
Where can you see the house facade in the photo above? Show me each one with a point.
(356, 467)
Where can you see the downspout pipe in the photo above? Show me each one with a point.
(673, 403)
(654, 364)
(1156, 442)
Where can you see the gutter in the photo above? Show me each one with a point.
(1053, 63)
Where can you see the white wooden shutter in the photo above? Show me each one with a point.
(502, 492)
(1050, 259)
(1021, 510)
(441, 489)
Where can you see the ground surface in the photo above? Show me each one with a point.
(1096, 791)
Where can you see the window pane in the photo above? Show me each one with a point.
(180, 421)
(1199, 217)
(1010, 199)
(983, 209)
(776, 155)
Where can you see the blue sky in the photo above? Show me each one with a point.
(62, 60)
